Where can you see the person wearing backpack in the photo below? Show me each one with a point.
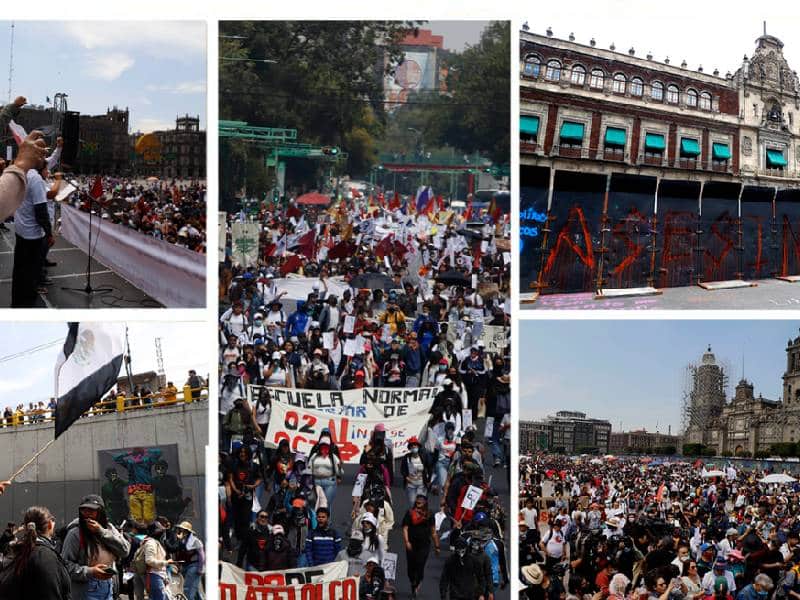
(36, 570)
(151, 562)
(91, 547)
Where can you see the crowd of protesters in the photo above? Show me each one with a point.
(92, 558)
(665, 530)
(413, 328)
(173, 211)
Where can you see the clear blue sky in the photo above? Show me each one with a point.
(31, 378)
(633, 371)
(155, 68)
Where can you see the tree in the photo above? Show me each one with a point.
(322, 78)
(476, 114)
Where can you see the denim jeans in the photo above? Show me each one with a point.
(413, 490)
(328, 486)
(191, 581)
(494, 443)
(157, 587)
(99, 589)
(442, 465)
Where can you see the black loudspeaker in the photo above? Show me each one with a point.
(70, 131)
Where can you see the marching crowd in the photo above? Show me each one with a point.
(91, 558)
(627, 528)
(389, 300)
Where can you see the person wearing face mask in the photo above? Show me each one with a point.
(426, 328)
(370, 586)
(760, 589)
(381, 449)
(460, 578)
(374, 544)
(255, 547)
(352, 554)
(415, 470)
(445, 449)
(257, 330)
(418, 531)
(280, 555)
(35, 569)
(191, 557)
(326, 467)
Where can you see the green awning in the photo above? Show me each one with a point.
(571, 132)
(775, 158)
(720, 151)
(615, 136)
(654, 141)
(529, 125)
(689, 147)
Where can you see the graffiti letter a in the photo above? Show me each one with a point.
(568, 239)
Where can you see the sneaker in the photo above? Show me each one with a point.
(50, 263)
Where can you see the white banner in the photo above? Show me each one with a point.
(302, 427)
(244, 243)
(223, 235)
(367, 403)
(298, 287)
(324, 582)
(173, 275)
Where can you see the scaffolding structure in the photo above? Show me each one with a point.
(705, 392)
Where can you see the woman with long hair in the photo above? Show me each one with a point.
(36, 570)
(418, 531)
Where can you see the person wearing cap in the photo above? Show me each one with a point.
(191, 556)
(419, 530)
(371, 584)
(460, 579)
(719, 570)
(91, 547)
(280, 554)
(415, 470)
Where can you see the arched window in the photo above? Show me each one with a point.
(637, 87)
(597, 78)
(533, 66)
(705, 101)
(657, 90)
(673, 94)
(619, 83)
(691, 98)
(553, 71)
(578, 75)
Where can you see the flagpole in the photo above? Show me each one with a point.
(30, 461)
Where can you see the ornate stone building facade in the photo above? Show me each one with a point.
(746, 423)
(641, 172)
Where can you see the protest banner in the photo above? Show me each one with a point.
(367, 403)
(471, 498)
(323, 582)
(358, 486)
(244, 243)
(495, 338)
(389, 565)
(302, 427)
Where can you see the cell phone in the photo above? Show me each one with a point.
(110, 570)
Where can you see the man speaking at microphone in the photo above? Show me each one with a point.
(33, 229)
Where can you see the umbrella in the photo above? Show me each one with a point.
(715, 473)
(314, 198)
(152, 179)
(373, 281)
(454, 278)
(469, 234)
(596, 461)
(777, 478)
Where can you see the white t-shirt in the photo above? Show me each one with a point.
(530, 515)
(25, 224)
(555, 544)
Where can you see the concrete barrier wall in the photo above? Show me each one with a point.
(69, 469)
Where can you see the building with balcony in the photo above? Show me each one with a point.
(641, 441)
(182, 154)
(567, 432)
(673, 160)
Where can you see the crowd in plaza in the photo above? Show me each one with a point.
(358, 296)
(644, 528)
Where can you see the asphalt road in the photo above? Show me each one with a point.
(70, 272)
(430, 585)
(768, 294)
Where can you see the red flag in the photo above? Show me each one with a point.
(293, 211)
(97, 188)
(494, 210)
(382, 200)
(305, 244)
(399, 249)
(394, 204)
(291, 265)
(468, 212)
(269, 250)
(429, 206)
(476, 256)
(342, 250)
(384, 247)
(439, 203)
(660, 493)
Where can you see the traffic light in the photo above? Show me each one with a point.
(330, 150)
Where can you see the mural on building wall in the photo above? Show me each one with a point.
(683, 243)
(143, 483)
